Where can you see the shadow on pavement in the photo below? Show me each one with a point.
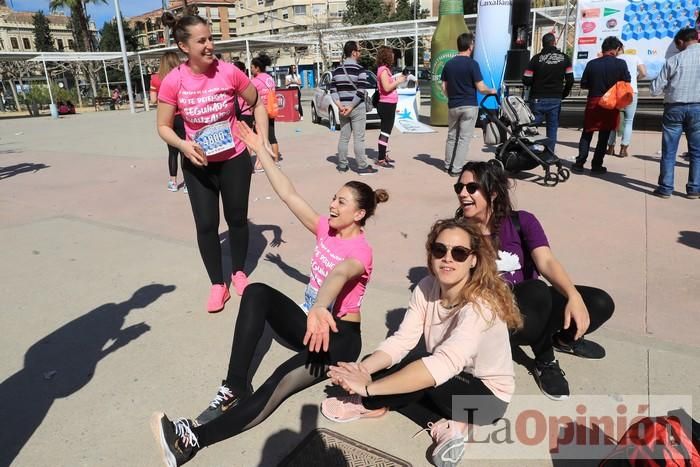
(580, 446)
(289, 270)
(415, 275)
(657, 160)
(283, 442)
(689, 238)
(256, 246)
(18, 169)
(432, 161)
(63, 362)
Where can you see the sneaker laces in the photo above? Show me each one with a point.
(185, 433)
(221, 395)
(553, 366)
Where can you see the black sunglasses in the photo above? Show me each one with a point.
(459, 253)
(471, 187)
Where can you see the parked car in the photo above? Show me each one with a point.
(323, 107)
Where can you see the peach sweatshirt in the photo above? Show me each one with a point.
(458, 340)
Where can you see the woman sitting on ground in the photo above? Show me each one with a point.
(556, 316)
(341, 266)
(463, 309)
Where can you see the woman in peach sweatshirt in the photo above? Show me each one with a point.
(463, 309)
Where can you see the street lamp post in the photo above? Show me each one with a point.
(122, 43)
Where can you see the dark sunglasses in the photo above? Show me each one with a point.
(471, 187)
(459, 253)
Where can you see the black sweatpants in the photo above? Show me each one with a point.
(230, 179)
(262, 304)
(387, 114)
(481, 406)
(584, 145)
(543, 312)
(173, 152)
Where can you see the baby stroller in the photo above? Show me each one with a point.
(520, 146)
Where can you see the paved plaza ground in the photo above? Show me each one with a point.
(103, 290)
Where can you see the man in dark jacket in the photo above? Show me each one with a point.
(600, 75)
(550, 77)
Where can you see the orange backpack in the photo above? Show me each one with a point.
(618, 97)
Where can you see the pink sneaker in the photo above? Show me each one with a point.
(239, 282)
(218, 296)
(449, 442)
(348, 408)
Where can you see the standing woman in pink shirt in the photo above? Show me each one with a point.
(324, 330)
(265, 84)
(216, 164)
(388, 98)
(168, 62)
(463, 309)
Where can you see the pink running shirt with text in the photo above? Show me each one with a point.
(331, 250)
(206, 98)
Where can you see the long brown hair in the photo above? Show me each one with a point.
(495, 185)
(168, 61)
(385, 56)
(485, 284)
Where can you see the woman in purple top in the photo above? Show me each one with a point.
(556, 316)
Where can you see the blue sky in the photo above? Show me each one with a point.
(100, 13)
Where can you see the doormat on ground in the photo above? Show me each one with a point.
(326, 448)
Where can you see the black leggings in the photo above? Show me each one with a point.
(262, 304)
(543, 311)
(301, 107)
(432, 404)
(231, 179)
(387, 114)
(173, 152)
(271, 137)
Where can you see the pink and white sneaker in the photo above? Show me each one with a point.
(448, 436)
(345, 409)
(218, 296)
(239, 281)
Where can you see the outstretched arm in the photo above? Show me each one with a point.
(279, 181)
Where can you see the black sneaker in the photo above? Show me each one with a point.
(599, 170)
(580, 348)
(178, 443)
(550, 379)
(577, 168)
(225, 399)
(369, 170)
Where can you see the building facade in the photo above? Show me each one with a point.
(17, 31)
(240, 18)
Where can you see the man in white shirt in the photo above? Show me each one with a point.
(637, 71)
(293, 80)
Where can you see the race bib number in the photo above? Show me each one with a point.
(215, 138)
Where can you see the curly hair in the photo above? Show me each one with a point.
(495, 187)
(485, 286)
(385, 56)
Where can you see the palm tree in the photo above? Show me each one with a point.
(78, 11)
(81, 30)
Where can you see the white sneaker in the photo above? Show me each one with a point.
(172, 186)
